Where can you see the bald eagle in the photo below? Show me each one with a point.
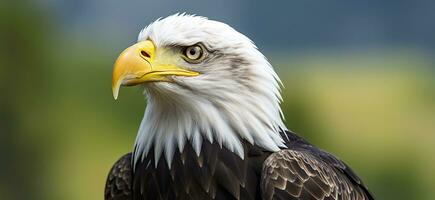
(213, 126)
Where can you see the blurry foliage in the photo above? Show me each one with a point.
(379, 118)
(60, 129)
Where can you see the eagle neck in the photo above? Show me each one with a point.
(171, 120)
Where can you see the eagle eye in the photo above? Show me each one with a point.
(194, 53)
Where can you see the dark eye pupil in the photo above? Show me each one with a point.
(192, 51)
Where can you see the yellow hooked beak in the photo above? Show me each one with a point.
(136, 65)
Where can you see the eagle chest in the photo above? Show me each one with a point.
(216, 173)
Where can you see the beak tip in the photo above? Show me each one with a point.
(115, 91)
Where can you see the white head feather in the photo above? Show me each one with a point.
(236, 96)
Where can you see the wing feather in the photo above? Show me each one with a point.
(305, 174)
(119, 180)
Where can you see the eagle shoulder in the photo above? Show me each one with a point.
(119, 180)
(305, 172)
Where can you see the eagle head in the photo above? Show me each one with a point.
(203, 81)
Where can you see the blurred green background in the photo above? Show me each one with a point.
(358, 76)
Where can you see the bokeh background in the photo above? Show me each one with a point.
(358, 76)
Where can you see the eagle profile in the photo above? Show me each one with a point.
(213, 126)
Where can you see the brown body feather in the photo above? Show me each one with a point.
(300, 171)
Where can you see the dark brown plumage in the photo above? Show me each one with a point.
(300, 171)
(305, 172)
(119, 180)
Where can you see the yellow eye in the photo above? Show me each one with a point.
(194, 53)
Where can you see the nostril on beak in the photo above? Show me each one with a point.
(145, 54)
